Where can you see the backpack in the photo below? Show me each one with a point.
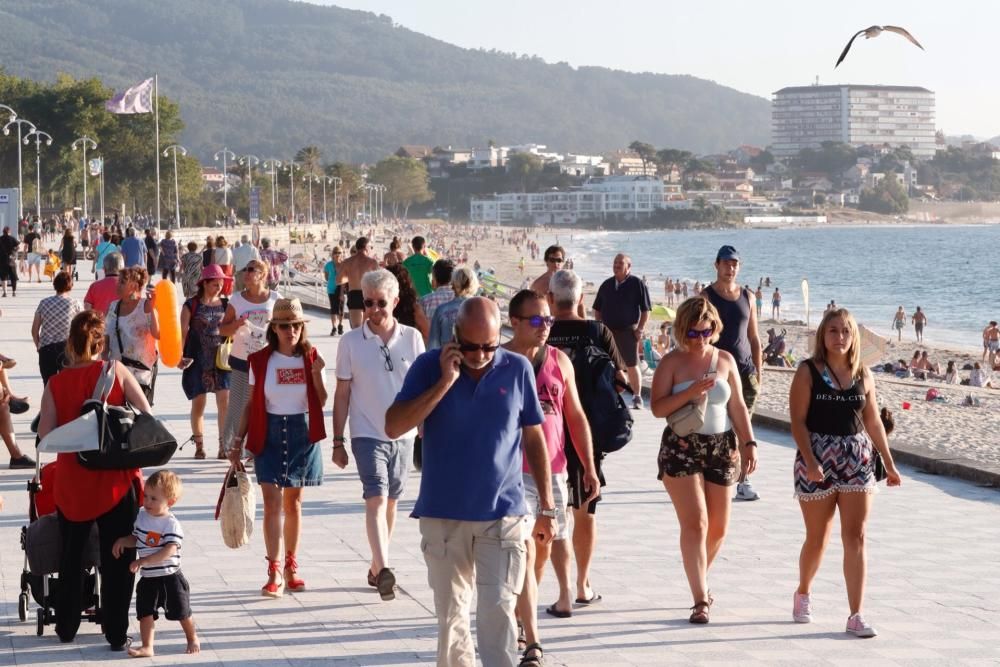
(609, 418)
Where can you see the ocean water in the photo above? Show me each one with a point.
(952, 272)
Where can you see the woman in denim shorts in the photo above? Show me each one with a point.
(698, 469)
(283, 426)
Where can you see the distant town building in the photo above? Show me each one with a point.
(413, 151)
(806, 116)
(487, 158)
(626, 163)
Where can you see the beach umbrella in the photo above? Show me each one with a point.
(805, 299)
(661, 312)
(873, 346)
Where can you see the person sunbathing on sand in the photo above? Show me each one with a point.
(981, 378)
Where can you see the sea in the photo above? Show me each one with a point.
(950, 271)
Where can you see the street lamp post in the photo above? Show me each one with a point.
(38, 166)
(336, 181)
(380, 191)
(292, 166)
(311, 178)
(173, 148)
(13, 114)
(20, 122)
(225, 153)
(250, 161)
(83, 142)
(273, 165)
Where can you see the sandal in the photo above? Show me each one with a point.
(522, 639)
(276, 589)
(534, 660)
(199, 445)
(291, 567)
(221, 455)
(699, 613)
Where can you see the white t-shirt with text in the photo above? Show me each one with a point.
(285, 385)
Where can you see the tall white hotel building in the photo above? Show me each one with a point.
(806, 116)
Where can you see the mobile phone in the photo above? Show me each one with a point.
(712, 375)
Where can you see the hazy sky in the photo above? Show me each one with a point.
(757, 47)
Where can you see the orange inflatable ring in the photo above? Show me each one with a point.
(168, 313)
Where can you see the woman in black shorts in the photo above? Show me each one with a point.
(698, 469)
(68, 252)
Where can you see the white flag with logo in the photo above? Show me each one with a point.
(137, 99)
(96, 166)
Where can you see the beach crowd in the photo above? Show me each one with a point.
(540, 382)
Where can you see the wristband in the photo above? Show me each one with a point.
(340, 446)
(339, 438)
(750, 443)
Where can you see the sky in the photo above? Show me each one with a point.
(756, 47)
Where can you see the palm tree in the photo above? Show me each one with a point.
(311, 159)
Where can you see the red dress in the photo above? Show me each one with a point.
(83, 494)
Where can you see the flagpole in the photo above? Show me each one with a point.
(156, 112)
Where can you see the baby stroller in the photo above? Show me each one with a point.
(40, 541)
(774, 353)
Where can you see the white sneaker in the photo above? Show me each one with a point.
(637, 403)
(859, 627)
(801, 609)
(744, 491)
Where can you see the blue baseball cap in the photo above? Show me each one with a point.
(727, 252)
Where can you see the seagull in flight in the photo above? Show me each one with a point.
(875, 31)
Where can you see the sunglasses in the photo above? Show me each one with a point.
(485, 348)
(704, 333)
(538, 321)
(285, 326)
(253, 269)
(371, 303)
(556, 260)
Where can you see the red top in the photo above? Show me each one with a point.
(257, 428)
(101, 294)
(83, 494)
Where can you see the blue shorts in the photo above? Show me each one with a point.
(289, 459)
(383, 466)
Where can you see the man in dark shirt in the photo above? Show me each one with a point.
(740, 336)
(8, 261)
(623, 305)
(565, 295)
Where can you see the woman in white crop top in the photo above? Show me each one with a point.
(698, 469)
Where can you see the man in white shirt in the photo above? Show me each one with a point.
(372, 362)
(242, 254)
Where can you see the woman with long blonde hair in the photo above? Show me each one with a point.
(837, 429)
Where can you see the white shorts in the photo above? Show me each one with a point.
(559, 494)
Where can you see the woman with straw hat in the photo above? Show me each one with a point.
(283, 426)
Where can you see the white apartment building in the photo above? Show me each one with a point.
(629, 196)
(806, 116)
(585, 165)
(487, 158)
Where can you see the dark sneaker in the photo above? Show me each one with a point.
(340, 329)
(333, 331)
(23, 461)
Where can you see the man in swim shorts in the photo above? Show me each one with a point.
(353, 268)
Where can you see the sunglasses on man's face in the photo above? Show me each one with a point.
(371, 303)
(294, 326)
(485, 348)
(538, 321)
(704, 333)
(554, 260)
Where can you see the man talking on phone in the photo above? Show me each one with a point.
(480, 410)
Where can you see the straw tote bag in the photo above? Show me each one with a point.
(236, 508)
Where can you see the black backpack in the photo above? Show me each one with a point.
(609, 418)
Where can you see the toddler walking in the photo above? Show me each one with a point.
(158, 536)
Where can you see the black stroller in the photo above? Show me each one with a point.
(40, 541)
(774, 352)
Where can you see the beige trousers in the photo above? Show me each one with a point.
(491, 555)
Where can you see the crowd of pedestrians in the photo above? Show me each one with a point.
(421, 359)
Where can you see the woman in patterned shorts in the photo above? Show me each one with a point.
(836, 426)
(698, 469)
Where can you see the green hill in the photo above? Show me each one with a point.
(270, 76)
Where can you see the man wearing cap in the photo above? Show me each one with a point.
(372, 362)
(480, 411)
(739, 336)
(623, 305)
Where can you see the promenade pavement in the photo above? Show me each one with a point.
(933, 593)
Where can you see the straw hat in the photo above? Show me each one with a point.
(212, 272)
(287, 310)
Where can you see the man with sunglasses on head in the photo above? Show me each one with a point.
(555, 381)
(482, 418)
(350, 271)
(555, 259)
(372, 361)
(739, 337)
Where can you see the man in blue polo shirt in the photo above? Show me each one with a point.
(479, 408)
(133, 250)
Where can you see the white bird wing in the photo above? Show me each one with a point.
(904, 33)
(848, 47)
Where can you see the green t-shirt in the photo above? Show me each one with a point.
(419, 267)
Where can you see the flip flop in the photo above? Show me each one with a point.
(552, 611)
(594, 599)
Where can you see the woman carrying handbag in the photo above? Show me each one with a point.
(697, 388)
(83, 496)
(283, 426)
